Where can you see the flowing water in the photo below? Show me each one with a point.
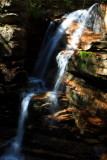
(14, 151)
(48, 49)
(43, 51)
(62, 59)
(37, 85)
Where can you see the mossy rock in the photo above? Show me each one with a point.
(90, 64)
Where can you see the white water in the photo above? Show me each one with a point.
(78, 33)
(24, 113)
(52, 43)
(50, 48)
(63, 58)
(14, 152)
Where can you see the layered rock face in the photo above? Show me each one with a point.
(13, 20)
(86, 81)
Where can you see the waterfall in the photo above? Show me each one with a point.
(63, 58)
(37, 85)
(43, 51)
(48, 49)
(14, 152)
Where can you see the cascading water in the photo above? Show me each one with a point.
(62, 58)
(80, 16)
(78, 33)
(14, 152)
(49, 48)
(43, 51)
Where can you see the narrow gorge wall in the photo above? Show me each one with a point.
(13, 21)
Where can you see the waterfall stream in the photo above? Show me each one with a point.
(63, 58)
(48, 48)
(38, 70)
(14, 151)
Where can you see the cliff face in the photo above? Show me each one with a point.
(86, 80)
(13, 20)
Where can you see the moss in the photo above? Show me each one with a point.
(84, 54)
(36, 106)
(86, 61)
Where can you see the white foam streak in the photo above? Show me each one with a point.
(53, 98)
(14, 152)
(62, 60)
(71, 18)
(78, 33)
(25, 103)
